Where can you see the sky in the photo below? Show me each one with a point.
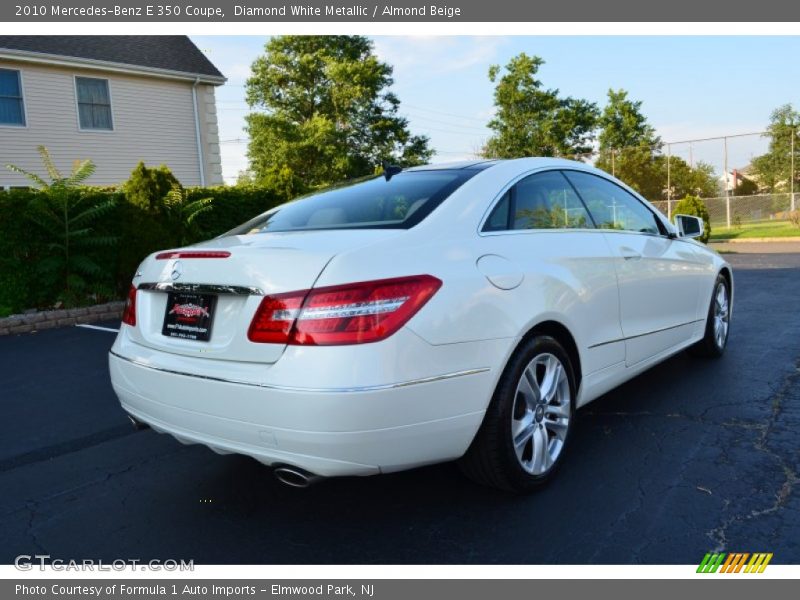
(691, 87)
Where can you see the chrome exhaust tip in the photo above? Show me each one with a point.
(295, 477)
(137, 424)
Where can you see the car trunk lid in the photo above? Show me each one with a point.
(214, 289)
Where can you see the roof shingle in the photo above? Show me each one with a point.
(170, 52)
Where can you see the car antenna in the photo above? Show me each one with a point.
(390, 170)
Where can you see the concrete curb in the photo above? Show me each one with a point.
(68, 317)
(754, 240)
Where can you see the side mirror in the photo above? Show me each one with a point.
(689, 226)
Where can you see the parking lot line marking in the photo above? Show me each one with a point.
(111, 329)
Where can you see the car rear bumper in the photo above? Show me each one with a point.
(329, 432)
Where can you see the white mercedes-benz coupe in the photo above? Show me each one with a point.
(460, 311)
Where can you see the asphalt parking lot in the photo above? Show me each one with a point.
(692, 456)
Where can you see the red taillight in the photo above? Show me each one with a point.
(275, 317)
(129, 312)
(193, 254)
(354, 313)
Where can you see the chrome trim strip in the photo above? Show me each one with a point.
(369, 388)
(633, 337)
(201, 288)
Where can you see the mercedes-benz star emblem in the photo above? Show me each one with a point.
(177, 270)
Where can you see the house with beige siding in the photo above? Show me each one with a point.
(116, 100)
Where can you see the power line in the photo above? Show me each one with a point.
(719, 137)
(462, 153)
(592, 153)
(473, 134)
(422, 129)
(439, 121)
(409, 115)
(440, 112)
(239, 106)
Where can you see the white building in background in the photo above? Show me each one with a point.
(115, 100)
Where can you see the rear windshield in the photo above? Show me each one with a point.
(400, 203)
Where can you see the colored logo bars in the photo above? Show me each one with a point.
(735, 562)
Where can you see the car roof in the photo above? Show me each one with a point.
(472, 165)
(533, 162)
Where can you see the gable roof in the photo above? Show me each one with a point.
(155, 54)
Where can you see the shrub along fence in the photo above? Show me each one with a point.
(133, 230)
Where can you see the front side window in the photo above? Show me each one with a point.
(540, 201)
(399, 203)
(94, 103)
(611, 206)
(12, 108)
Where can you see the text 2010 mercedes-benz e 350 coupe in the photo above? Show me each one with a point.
(462, 311)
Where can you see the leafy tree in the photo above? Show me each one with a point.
(65, 216)
(630, 148)
(622, 124)
(533, 121)
(692, 205)
(685, 180)
(745, 187)
(628, 145)
(244, 178)
(772, 169)
(323, 112)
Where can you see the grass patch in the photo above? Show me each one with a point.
(758, 229)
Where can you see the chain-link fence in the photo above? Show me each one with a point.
(736, 211)
(729, 173)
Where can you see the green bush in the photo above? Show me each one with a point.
(63, 218)
(157, 213)
(19, 252)
(147, 187)
(232, 206)
(191, 215)
(34, 269)
(692, 205)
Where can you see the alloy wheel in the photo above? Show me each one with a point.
(721, 315)
(541, 414)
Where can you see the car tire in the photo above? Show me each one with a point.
(515, 411)
(717, 330)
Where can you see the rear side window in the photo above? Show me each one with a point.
(540, 201)
(498, 220)
(611, 206)
(400, 203)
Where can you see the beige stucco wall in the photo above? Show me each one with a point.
(153, 121)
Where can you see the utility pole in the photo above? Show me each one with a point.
(613, 166)
(669, 182)
(791, 175)
(727, 187)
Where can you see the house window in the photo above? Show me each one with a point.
(12, 108)
(94, 103)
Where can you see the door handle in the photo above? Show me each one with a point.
(630, 253)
